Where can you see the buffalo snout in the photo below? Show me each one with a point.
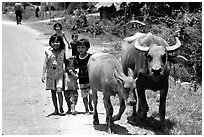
(157, 72)
(131, 100)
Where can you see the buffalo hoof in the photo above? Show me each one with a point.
(142, 115)
(115, 118)
(164, 127)
(133, 120)
(110, 131)
(110, 128)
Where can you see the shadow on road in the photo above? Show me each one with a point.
(63, 114)
(119, 130)
(53, 114)
(151, 123)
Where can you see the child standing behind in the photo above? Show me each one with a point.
(58, 31)
(74, 44)
(81, 62)
(53, 70)
(71, 86)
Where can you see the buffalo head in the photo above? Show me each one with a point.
(125, 83)
(156, 52)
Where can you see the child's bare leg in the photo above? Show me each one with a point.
(73, 101)
(67, 99)
(90, 102)
(85, 101)
(60, 98)
(73, 111)
(54, 100)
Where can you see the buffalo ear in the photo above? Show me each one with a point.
(177, 59)
(130, 72)
(116, 76)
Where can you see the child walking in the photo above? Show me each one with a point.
(53, 70)
(74, 44)
(81, 62)
(71, 86)
(58, 31)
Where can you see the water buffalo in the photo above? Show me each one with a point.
(148, 55)
(106, 75)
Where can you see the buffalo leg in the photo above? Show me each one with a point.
(95, 102)
(134, 106)
(143, 107)
(162, 107)
(109, 112)
(121, 110)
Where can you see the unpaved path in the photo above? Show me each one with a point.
(25, 103)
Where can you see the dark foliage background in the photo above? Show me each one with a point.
(165, 19)
(168, 20)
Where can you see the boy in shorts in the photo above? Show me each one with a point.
(81, 62)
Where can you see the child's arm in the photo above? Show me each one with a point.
(44, 70)
(75, 75)
(69, 47)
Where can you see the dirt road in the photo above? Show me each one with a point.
(25, 103)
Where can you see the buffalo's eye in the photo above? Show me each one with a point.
(127, 89)
(164, 58)
(149, 57)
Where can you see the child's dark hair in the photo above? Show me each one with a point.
(69, 63)
(84, 42)
(57, 25)
(57, 38)
(74, 34)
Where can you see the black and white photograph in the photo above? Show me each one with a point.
(101, 68)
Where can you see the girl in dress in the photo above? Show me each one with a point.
(58, 31)
(53, 70)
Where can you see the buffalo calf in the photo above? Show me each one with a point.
(106, 75)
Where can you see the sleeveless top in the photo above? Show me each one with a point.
(83, 70)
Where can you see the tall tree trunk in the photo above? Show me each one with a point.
(49, 8)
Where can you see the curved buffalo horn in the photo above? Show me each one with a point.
(174, 47)
(139, 47)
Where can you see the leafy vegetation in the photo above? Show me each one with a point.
(184, 106)
(185, 25)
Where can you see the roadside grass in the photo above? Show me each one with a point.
(183, 111)
(183, 107)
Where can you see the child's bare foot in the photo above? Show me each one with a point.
(87, 111)
(74, 112)
(68, 112)
(56, 112)
(61, 110)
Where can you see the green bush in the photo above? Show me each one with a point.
(187, 27)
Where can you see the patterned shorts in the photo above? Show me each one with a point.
(71, 95)
(85, 90)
